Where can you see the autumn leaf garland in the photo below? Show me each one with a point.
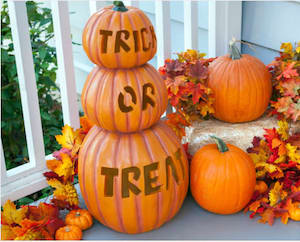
(277, 163)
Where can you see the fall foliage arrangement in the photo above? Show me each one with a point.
(123, 149)
(285, 71)
(41, 222)
(277, 161)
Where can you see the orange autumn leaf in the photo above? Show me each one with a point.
(267, 217)
(42, 211)
(11, 215)
(7, 232)
(277, 143)
(86, 124)
(254, 206)
(27, 226)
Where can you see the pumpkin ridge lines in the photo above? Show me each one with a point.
(97, 46)
(100, 88)
(145, 24)
(117, 192)
(137, 198)
(137, 59)
(93, 32)
(135, 72)
(86, 91)
(174, 184)
(98, 153)
(253, 76)
(159, 104)
(84, 166)
(112, 109)
(127, 114)
(237, 180)
(117, 55)
(147, 146)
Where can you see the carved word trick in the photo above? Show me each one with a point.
(124, 37)
(150, 180)
(146, 99)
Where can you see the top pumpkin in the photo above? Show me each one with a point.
(241, 85)
(119, 37)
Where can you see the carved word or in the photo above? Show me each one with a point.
(146, 99)
(123, 38)
(150, 179)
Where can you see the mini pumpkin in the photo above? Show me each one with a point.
(294, 211)
(119, 37)
(79, 217)
(261, 187)
(222, 178)
(133, 182)
(70, 232)
(125, 100)
(241, 85)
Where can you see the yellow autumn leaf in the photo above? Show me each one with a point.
(275, 194)
(69, 138)
(11, 215)
(7, 233)
(65, 192)
(283, 129)
(66, 167)
(287, 48)
(293, 153)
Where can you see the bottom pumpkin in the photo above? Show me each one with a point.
(133, 182)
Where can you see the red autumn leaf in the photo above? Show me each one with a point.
(199, 70)
(54, 224)
(51, 175)
(60, 204)
(294, 140)
(175, 68)
(43, 211)
(270, 135)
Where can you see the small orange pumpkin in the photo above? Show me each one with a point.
(241, 85)
(133, 182)
(125, 100)
(294, 211)
(261, 187)
(79, 217)
(119, 37)
(222, 178)
(70, 232)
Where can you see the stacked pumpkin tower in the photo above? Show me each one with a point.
(133, 172)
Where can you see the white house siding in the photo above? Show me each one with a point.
(268, 24)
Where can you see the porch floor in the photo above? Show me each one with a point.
(192, 222)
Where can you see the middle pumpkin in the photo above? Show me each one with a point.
(124, 100)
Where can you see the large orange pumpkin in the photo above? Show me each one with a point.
(119, 37)
(241, 85)
(125, 100)
(133, 182)
(222, 178)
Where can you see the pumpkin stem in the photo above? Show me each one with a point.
(233, 50)
(77, 214)
(67, 229)
(119, 6)
(220, 143)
